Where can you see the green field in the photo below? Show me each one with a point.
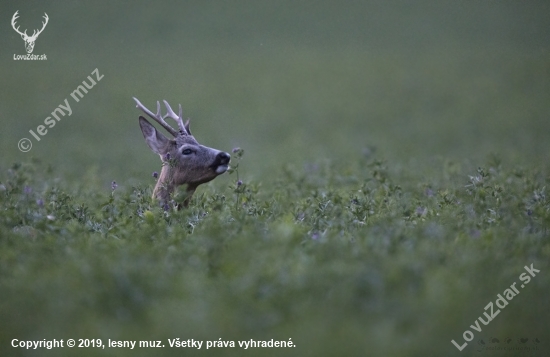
(395, 178)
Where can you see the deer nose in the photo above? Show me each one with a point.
(223, 158)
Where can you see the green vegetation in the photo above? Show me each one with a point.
(394, 178)
(339, 257)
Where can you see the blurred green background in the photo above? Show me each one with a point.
(288, 81)
(295, 82)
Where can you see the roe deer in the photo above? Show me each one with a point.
(184, 160)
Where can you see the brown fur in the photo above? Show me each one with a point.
(184, 160)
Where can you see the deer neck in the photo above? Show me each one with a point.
(166, 185)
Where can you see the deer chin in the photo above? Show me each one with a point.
(221, 169)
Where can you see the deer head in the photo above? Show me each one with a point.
(184, 160)
(29, 40)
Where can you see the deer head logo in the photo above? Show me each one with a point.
(29, 40)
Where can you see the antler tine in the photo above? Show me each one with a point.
(181, 124)
(44, 23)
(13, 20)
(157, 117)
(178, 118)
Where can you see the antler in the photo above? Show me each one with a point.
(160, 119)
(13, 20)
(35, 33)
(43, 26)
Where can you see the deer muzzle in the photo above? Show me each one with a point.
(221, 163)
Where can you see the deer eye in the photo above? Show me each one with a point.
(187, 152)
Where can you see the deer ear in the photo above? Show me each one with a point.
(159, 143)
